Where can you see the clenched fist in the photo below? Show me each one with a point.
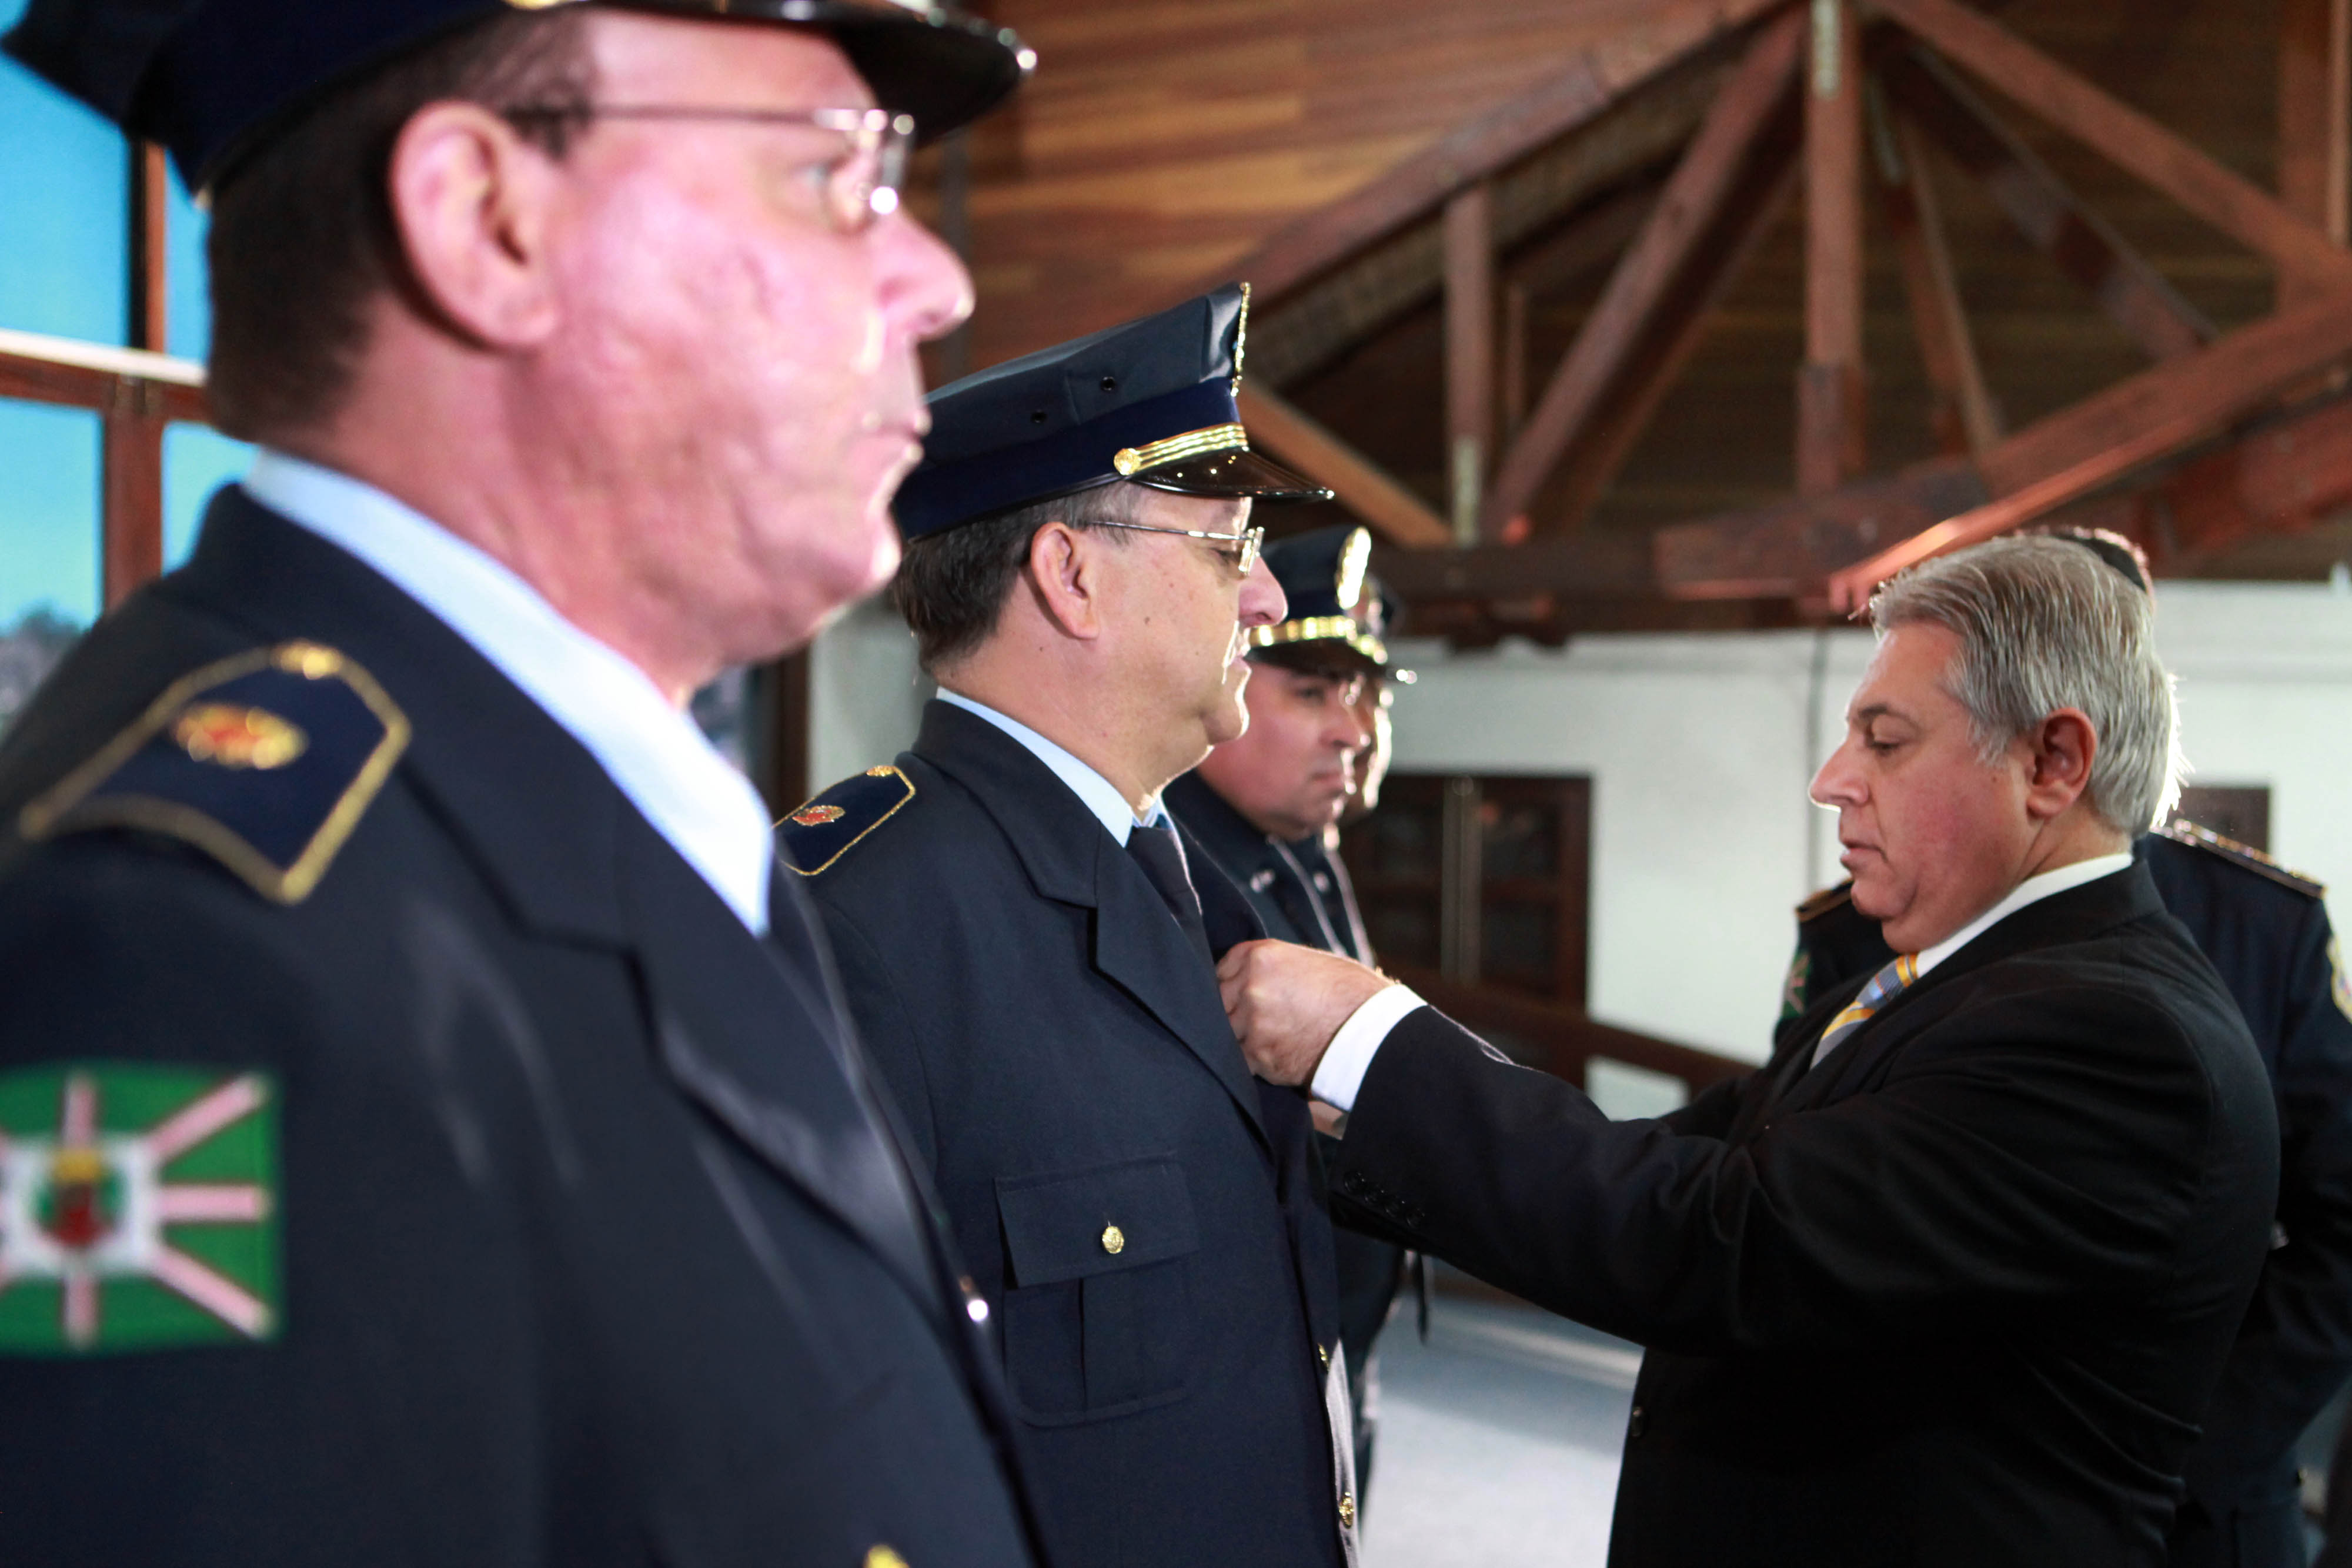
(1286, 1003)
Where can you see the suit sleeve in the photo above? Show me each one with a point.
(332, 1428)
(2295, 1347)
(2035, 1147)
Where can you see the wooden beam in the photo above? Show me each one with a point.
(2127, 138)
(1593, 463)
(131, 511)
(1597, 566)
(1964, 415)
(1469, 349)
(2315, 158)
(1416, 187)
(1363, 488)
(1693, 197)
(1788, 549)
(778, 695)
(1571, 180)
(151, 195)
(2056, 222)
(38, 369)
(2104, 438)
(1514, 389)
(1829, 410)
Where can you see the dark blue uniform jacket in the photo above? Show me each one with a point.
(597, 1247)
(1066, 1066)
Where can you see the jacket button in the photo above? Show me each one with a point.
(1638, 1424)
(883, 1557)
(1347, 1511)
(1114, 1240)
(1322, 1356)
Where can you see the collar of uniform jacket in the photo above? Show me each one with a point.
(692, 796)
(1099, 794)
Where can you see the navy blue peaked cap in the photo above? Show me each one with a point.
(1340, 614)
(1151, 400)
(211, 79)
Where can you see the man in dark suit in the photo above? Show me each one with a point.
(2268, 937)
(1026, 939)
(2267, 934)
(428, 1133)
(1951, 1279)
(1261, 804)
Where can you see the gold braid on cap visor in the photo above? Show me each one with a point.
(1319, 629)
(1133, 460)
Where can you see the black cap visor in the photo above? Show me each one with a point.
(1232, 472)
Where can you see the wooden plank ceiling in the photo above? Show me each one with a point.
(1165, 144)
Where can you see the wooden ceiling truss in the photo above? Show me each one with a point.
(2222, 437)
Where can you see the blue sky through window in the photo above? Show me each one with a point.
(64, 232)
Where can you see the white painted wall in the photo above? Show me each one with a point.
(866, 694)
(1699, 751)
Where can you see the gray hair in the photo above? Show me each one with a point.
(2044, 625)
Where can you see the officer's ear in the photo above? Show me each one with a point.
(1065, 579)
(471, 201)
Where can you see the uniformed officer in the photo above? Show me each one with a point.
(427, 1135)
(1026, 939)
(1262, 806)
(2266, 932)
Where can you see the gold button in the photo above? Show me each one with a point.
(883, 1557)
(1322, 1356)
(1114, 1240)
(1347, 1511)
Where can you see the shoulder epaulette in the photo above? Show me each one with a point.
(2246, 855)
(825, 829)
(266, 761)
(1821, 902)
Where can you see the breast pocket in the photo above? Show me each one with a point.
(1098, 1304)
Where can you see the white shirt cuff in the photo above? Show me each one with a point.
(1350, 1055)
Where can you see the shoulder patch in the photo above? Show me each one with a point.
(1821, 902)
(2245, 855)
(825, 829)
(141, 1201)
(266, 761)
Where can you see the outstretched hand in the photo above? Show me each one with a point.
(1286, 1003)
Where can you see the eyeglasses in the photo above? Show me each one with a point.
(860, 186)
(1248, 540)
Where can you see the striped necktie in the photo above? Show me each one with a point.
(1884, 987)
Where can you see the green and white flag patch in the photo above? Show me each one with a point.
(138, 1208)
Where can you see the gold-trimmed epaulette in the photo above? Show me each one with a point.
(1821, 902)
(264, 760)
(828, 826)
(2182, 832)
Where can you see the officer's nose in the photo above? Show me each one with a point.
(1263, 604)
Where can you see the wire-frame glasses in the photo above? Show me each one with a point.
(1249, 540)
(860, 186)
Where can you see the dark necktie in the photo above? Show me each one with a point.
(1161, 853)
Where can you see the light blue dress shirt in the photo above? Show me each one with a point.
(653, 752)
(1100, 795)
